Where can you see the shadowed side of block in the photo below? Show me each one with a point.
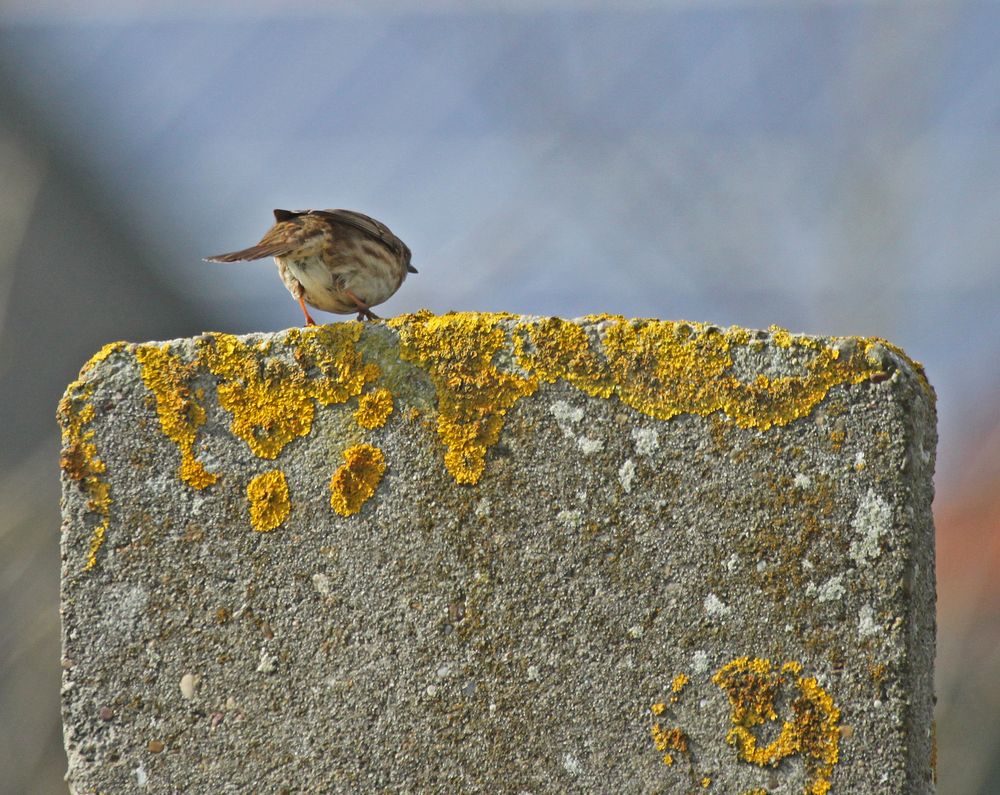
(480, 552)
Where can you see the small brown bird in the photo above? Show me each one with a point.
(336, 260)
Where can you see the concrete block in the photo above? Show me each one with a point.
(490, 553)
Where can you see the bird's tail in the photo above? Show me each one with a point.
(254, 252)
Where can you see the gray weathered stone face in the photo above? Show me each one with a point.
(602, 555)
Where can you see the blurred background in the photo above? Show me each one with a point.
(831, 167)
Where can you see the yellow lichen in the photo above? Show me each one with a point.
(664, 368)
(667, 740)
(480, 366)
(331, 351)
(79, 460)
(554, 349)
(706, 782)
(374, 408)
(752, 686)
(659, 368)
(679, 683)
(356, 480)
(267, 494)
(272, 402)
(181, 413)
(459, 351)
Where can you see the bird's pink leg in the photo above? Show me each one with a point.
(364, 311)
(297, 290)
(309, 320)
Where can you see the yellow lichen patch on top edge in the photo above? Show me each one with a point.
(659, 368)
(474, 394)
(785, 339)
(267, 494)
(79, 459)
(663, 368)
(752, 686)
(272, 402)
(332, 352)
(356, 480)
(374, 408)
(181, 414)
(554, 348)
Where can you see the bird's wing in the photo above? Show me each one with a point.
(374, 229)
(259, 251)
(282, 238)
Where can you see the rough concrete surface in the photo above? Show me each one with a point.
(490, 553)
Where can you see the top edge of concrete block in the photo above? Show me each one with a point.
(475, 367)
(720, 350)
(471, 323)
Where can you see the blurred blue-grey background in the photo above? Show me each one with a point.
(831, 167)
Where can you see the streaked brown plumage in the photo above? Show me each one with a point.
(336, 260)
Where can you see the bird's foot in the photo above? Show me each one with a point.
(364, 311)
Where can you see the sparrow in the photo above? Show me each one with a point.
(336, 260)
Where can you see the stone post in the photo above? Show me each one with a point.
(491, 553)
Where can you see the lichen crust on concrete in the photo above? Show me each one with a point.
(524, 553)
(480, 365)
(80, 461)
(267, 495)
